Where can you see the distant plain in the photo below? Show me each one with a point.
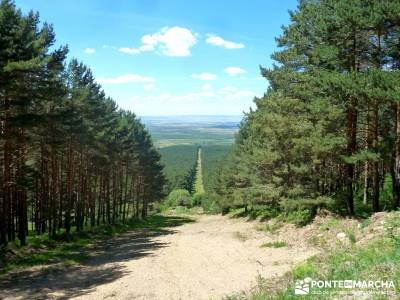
(192, 130)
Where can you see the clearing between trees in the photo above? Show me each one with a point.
(198, 185)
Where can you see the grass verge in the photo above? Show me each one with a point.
(377, 260)
(71, 249)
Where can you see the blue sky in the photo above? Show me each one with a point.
(171, 57)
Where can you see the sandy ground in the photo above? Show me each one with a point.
(208, 259)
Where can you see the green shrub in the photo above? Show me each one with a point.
(210, 203)
(160, 206)
(392, 226)
(268, 214)
(299, 217)
(197, 199)
(264, 212)
(278, 244)
(386, 194)
(352, 236)
(313, 205)
(365, 223)
(271, 228)
(178, 198)
(238, 212)
(181, 210)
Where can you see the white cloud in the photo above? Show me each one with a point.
(164, 98)
(228, 89)
(228, 93)
(206, 87)
(129, 50)
(227, 100)
(90, 50)
(126, 79)
(149, 87)
(233, 71)
(204, 76)
(174, 41)
(219, 41)
(231, 93)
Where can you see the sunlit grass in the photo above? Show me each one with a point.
(198, 185)
(277, 244)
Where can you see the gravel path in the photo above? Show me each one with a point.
(208, 259)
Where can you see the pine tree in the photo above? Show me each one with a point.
(70, 156)
(329, 122)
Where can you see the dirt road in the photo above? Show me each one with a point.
(206, 259)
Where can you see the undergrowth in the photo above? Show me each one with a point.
(377, 260)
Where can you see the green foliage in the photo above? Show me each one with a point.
(238, 213)
(392, 226)
(179, 166)
(330, 224)
(184, 210)
(386, 195)
(213, 158)
(365, 223)
(206, 202)
(181, 162)
(313, 205)
(298, 217)
(386, 199)
(377, 260)
(210, 203)
(198, 186)
(271, 228)
(71, 156)
(192, 130)
(277, 244)
(305, 269)
(197, 199)
(178, 198)
(351, 235)
(329, 110)
(266, 213)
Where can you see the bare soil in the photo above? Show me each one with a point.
(207, 259)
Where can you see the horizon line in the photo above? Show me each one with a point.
(190, 115)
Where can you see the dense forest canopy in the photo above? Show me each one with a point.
(327, 131)
(180, 166)
(69, 155)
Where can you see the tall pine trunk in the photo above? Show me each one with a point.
(21, 195)
(375, 174)
(69, 197)
(7, 234)
(366, 163)
(396, 167)
(351, 149)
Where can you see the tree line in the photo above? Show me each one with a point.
(213, 159)
(69, 155)
(327, 130)
(179, 166)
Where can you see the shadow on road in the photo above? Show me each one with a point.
(63, 282)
